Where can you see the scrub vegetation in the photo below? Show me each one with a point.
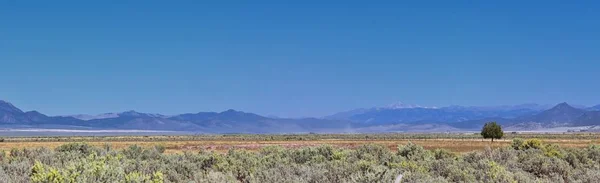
(520, 160)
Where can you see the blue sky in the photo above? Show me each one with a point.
(308, 58)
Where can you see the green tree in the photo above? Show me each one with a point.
(492, 130)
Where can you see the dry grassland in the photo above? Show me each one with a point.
(455, 145)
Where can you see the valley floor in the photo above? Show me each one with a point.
(459, 157)
(221, 143)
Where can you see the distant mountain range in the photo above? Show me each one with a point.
(451, 114)
(522, 117)
(230, 121)
(397, 117)
(561, 115)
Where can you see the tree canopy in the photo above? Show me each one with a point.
(492, 130)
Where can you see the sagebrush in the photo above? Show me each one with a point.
(523, 161)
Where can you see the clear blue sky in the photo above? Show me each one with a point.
(307, 58)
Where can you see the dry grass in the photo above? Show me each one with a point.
(455, 145)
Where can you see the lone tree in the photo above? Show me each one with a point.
(492, 130)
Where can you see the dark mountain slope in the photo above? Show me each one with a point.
(8, 107)
(141, 121)
(9, 114)
(561, 113)
(589, 118)
(232, 121)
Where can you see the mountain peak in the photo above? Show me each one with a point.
(563, 105)
(231, 111)
(7, 106)
(561, 114)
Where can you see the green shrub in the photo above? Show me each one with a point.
(517, 144)
(439, 154)
(550, 150)
(414, 152)
(77, 147)
(523, 161)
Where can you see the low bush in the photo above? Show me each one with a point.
(523, 161)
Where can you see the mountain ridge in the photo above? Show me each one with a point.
(229, 121)
(594, 108)
(391, 119)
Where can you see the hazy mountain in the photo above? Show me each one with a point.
(11, 115)
(560, 115)
(392, 118)
(238, 121)
(201, 116)
(230, 121)
(133, 113)
(226, 119)
(7, 107)
(465, 117)
(451, 114)
(87, 117)
(589, 118)
(141, 121)
(594, 108)
(348, 114)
